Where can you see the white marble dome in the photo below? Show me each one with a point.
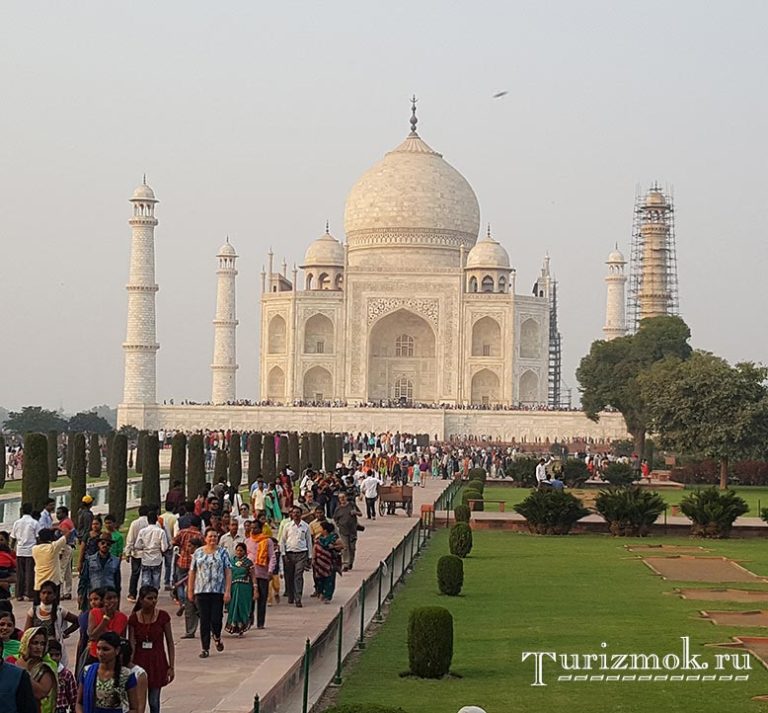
(615, 256)
(143, 193)
(326, 251)
(227, 250)
(412, 196)
(488, 254)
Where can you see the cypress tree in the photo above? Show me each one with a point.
(34, 479)
(109, 448)
(94, 456)
(69, 460)
(293, 450)
(220, 466)
(2, 465)
(282, 453)
(150, 471)
(179, 459)
(304, 453)
(118, 477)
(140, 451)
(196, 466)
(316, 450)
(78, 471)
(339, 448)
(329, 452)
(235, 460)
(268, 458)
(254, 457)
(53, 456)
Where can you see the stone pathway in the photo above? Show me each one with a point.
(724, 595)
(700, 569)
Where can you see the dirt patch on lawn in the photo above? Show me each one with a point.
(723, 595)
(700, 569)
(666, 549)
(756, 645)
(758, 617)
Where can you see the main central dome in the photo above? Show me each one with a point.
(411, 198)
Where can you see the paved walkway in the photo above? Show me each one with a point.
(226, 682)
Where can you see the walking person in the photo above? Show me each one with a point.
(370, 491)
(296, 548)
(66, 527)
(326, 561)
(345, 517)
(264, 565)
(151, 639)
(210, 587)
(23, 538)
(34, 659)
(50, 616)
(152, 544)
(132, 554)
(107, 686)
(244, 592)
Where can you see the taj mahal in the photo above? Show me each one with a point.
(414, 317)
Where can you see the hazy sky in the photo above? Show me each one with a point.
(255, 119)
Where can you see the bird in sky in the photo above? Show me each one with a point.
(500, 94)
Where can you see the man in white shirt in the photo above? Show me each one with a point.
(132, 554)
(24, 538)
(229, 539)
(369, 489)
(46, 514)
(168, 521)
(541, 472)
(258, 496)
(152, 542)
(296, 547)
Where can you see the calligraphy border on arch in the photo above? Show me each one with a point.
(381, 306)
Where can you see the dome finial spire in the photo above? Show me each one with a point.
(327, 227)
(488, 232)
(414, 120)
(144, 179)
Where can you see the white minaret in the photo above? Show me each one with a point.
(224, 364)
(615, 324)
(140, 346)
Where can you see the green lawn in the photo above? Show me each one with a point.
(563, 594)
(756, 497)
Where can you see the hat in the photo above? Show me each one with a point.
(471, 709)
(87, 499)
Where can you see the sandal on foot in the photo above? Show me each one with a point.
(204, 654)
(219, 645)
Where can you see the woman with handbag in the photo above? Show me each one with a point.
(326, 560)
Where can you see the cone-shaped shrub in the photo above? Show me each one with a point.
(304, 458)
(118, 477)
(329, 452)
(70, 458)
(94, 456)
(460, 539)
(293, 450)
(461, 513)
(109, 447)
(53, 456)
(235, 461)
(477, 474)
(254, 457)
(78, 471)
(478, 485)
(150, 471)
(316, 450)
(2, 465)
(468, 494)
(220, 466)
(140, 451)
(179, 459)
(450, 575)
(282, 453)
(430, 642)
(34, 478)
(195, 466)
(268, 458)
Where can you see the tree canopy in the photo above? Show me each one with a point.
(89, 422)
(704, 406)
(608, 375)
(34, 419)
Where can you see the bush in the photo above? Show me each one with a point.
(450, 575)
(34, 477)
(468, 494)
(619, 474)
(478, 474)
(220, 466)
(461, 513)
(478, 485)
(460, 539)
(363, 708)
(574, 472)
(712, 511)
(523, 471)
(551, 512)
(629, 511)
(118, 477)
(430, 642)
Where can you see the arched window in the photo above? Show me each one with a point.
(323, 281)
(404, 346)
(310, 277)
(339, 281)
(473, 284)
(502, 284)
(403, 389)
(487, 284)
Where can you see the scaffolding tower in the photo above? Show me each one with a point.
(555, 351)
(653, 286)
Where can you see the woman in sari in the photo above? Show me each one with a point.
(107, 686)
(240, 612)
(272, 504)
(42, 670)
(8, 636)
(326, 561)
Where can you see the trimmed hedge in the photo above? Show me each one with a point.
(195, 466)
(293, 451)
(150, 471)
(460, 539)
(179, 459)
(461, 513)
(94, 456)
(220, 466)
(268, 458)
(316, 450)
(34, 477)
(430, 642)
(450, 575)
(282, 453)
(478, 485)
(303, 454)
(235, 460)
(118, 477)
(468, 494)
(78, 471)
(478, 474)
(53, 456)
(254, 457)
(3, 468)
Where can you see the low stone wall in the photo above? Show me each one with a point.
(521, 426)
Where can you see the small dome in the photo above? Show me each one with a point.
(326, 251)
(616, 256)
(655, 198)
(488, 253)
(226, 250)
(143, 193)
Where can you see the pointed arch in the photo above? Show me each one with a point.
(529, 387)
(486, 337)
(276, 384)
(530, 339)
(318, 335)
(485, 388)
(318, 384)
(276, 337)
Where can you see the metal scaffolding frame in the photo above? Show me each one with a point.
(646, 210)
(555, 351)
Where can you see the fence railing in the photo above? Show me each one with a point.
(324, 657)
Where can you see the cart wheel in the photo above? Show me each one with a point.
(382, 509)
(409, 508)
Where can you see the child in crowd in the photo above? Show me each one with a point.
(66, 696)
